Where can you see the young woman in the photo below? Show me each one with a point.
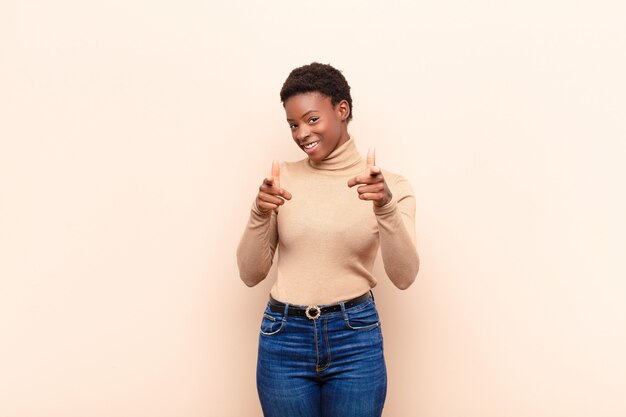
(320, 343)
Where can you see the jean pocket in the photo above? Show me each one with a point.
(271, 324)
(363, 319)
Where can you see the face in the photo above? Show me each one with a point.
(317, 126)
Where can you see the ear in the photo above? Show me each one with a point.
(343, 110)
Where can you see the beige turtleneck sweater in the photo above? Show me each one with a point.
(327, 238)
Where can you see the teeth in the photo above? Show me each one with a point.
(310, 145)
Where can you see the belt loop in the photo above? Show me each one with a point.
(343, 310)
(372, 292)
(286, 312)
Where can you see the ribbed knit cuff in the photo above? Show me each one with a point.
(258, 213)
(386, 209)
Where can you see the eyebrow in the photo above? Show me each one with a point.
(309, 111)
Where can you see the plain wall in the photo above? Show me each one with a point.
(134, 134)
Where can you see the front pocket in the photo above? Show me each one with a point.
(271, 325)
(362, 320)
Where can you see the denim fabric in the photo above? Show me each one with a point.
(332, 366)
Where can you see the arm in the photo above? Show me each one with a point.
(255, 252)
(395, 215)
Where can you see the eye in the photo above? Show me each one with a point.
(292, 126)
(314, 119)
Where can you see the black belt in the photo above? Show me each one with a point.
(314, 312)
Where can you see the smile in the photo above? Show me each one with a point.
(310, 145)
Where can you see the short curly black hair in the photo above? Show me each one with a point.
(316, 77)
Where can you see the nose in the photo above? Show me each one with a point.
(301, 133)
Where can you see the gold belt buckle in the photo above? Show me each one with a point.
(315, 315)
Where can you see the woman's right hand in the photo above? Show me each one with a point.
(270, 195)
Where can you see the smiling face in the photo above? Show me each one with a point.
(317, 126)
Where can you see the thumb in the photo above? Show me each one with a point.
(371, 157)
(276, 173)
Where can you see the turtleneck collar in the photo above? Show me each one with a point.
(342, 158)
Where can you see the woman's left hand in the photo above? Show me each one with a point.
(372, 183)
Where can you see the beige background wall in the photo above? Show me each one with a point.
(134, 134)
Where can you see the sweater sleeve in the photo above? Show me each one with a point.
(396, 228)
(255, 252)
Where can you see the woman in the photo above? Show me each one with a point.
(320, 343)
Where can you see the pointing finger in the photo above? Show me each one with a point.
(371, 157)
(274, 181)
(276, 173)
(371, 162)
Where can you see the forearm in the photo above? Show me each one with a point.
(396, 231)
(256, 248)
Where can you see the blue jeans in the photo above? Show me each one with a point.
(332, 366)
